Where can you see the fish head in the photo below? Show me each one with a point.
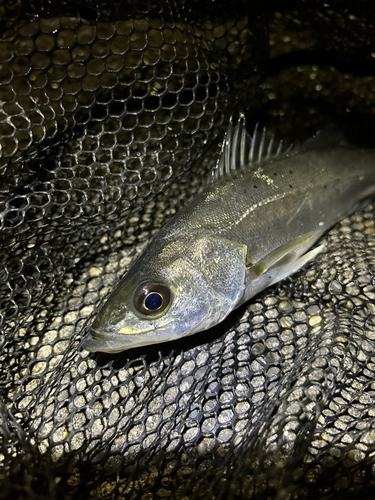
(165, 297)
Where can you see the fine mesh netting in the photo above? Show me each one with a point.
(111, 119)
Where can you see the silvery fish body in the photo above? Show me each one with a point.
(251, 227)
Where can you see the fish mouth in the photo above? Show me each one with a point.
(97, 341)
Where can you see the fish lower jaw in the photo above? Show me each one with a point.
(117, 342)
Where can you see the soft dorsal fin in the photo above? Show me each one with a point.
(328, 136)
(239, 149)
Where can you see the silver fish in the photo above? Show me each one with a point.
(252, 226)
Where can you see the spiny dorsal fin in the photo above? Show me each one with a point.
(239, 150)
(328, 136)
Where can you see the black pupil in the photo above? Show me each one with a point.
(153, 301)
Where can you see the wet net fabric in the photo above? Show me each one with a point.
(111, 119)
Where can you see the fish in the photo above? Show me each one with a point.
(256, 222)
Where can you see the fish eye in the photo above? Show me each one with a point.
(151, 298)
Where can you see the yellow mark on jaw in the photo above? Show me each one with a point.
(129, 331)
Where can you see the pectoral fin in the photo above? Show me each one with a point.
(285, 254)
(281, 263)
(293, 266)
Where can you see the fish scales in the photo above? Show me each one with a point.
(246, 231)
(298, 189)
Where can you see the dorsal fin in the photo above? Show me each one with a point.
(239, 149)
(328, 136)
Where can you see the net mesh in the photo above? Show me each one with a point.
(111, 117)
